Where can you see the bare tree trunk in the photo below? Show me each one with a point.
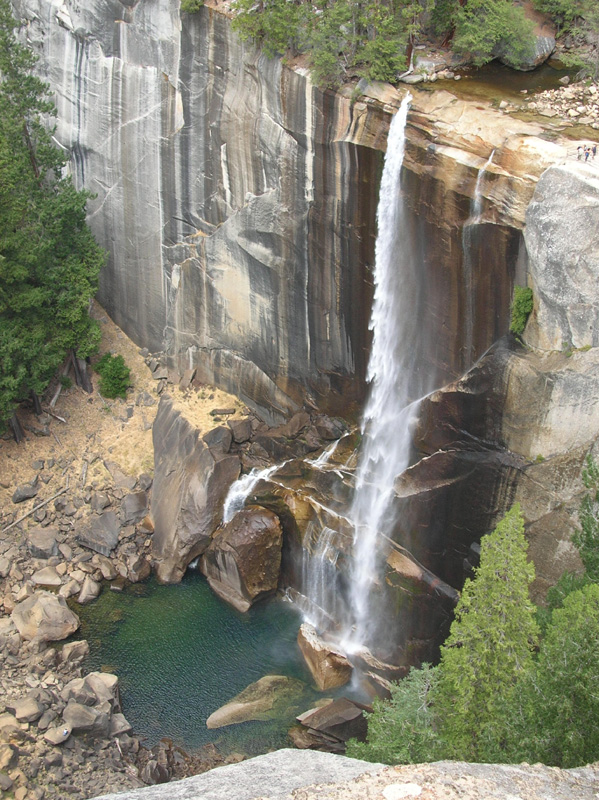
(37, 406)
(17, 428)
(81, 374)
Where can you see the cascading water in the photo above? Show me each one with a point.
(398, 378)
(471, 223)
(241, 489)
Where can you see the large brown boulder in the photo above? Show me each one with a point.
(261, 700)
(328, 665)
(45, 617)
(191, 481)
(243, 562)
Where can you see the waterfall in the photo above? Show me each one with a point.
(397, 377)
(319, 598)
(473, 220)
(240, 490)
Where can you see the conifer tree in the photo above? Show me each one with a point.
(49, 261)
(489, 647)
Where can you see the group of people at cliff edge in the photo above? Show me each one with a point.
(587, 150)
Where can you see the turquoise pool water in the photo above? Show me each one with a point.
(180, 653)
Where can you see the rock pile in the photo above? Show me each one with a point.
(61, 734)
(578, 103)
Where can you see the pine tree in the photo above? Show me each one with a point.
(560, 725)
(489, 647)
(49, 261)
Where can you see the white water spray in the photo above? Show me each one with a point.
(241, 489)
(473, 220)
(397, 375)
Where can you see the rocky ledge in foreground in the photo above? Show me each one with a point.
(310, 775)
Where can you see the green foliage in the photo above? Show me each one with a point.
(489, 28)
(114, 376)
(587, 539)
(563, 12)
(489, 647)
(521, 308)
(49, 262)
(400, 730)
(344, 38)
(191, 6)
(569, 582)
(560, 699)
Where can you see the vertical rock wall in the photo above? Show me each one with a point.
(237, 201)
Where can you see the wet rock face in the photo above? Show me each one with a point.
(243, 561)
(328, 665)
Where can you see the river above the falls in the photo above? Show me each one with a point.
(180, 653)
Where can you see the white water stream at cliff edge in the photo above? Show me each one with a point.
(397, 377)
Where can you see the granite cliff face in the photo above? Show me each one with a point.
(237, 201)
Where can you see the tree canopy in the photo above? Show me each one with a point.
(373, 38)
(49, 261)
(490, 645)
(495, 696)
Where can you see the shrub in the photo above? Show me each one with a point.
(191, 6)
(114, 376)
(400, 730)
(521, 308)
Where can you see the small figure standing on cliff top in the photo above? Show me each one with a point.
(579, 148)
(594, 149)
(587, 153)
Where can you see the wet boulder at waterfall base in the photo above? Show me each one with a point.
(191, 481)
(262, 700)
(328, 665)
(243, 562)
(330, 726)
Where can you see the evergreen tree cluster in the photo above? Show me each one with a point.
(506, 689)
(49, 261)
(372, 38)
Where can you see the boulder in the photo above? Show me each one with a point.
(329, 428)
(105, 566)
(105, 687)
(134, 507)
(544, 33)
(42, 542)
(328, 665)
(58, 735)
(26, 709)
(154, 773)
(138, 568)
(342, 718)
(45, 617)
(101, 533)
(47, 576)
(25, 492)
(90, 590)
(9, 756)
(261, 700)
(219, 439)
(99, 501)
(241, 429)
(190, 485)
(74, 652)
(119, 725)
(243, 561)
(85, 719)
